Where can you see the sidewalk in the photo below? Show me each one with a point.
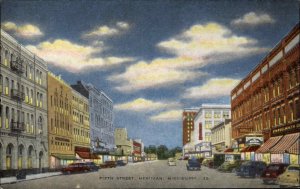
(142, 162)
(10, 180)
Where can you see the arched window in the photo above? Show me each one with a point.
(40, 124)
(6, 92)
(9, 152)
(20, 156)
(7, 117)
(29, 157)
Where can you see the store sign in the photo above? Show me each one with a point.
(254, 140)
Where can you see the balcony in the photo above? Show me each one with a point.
(17, 126)
(17, 95)
(17, 66)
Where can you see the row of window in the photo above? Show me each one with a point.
(81, 135)
(217, 114)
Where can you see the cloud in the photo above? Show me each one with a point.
(74, 57)
(27, 31)
(106, 31)
(213, 88)
(253, 19)
(145, 75)
(194, 48)
(144, 105)
(167, 116)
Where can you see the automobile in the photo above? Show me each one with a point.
(108, 164)
(193, 164)
(75, 168)
(92, 166)
(171, 162)
(230, 166)
(208, 162)
(290, 177)
(121, 163)
(251, 169)
(272, 171)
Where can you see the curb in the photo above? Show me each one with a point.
(21, 180)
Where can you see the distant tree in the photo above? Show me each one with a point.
(162, 152)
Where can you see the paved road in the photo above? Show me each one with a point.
(144, 175)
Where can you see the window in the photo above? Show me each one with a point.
(226, 114)
(207, 137)
(208, 114)
(217, 114)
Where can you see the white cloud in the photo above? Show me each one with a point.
(106, 31)
(213, 88)
(27, 31)
(193, 49)
(144, 105)
(74, 57)
(253, 19)
(167, 116)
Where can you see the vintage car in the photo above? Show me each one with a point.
(121, 163)
(92, 166)
(251, 169)
(171, 162)
(193, 164)
(208, 162)
(108, 164)
(291, 177)
(230, 166)
(272, 171)
(75, 168)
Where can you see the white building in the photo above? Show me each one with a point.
(208, 116)
(221, 136)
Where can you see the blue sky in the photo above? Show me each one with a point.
(153, 58)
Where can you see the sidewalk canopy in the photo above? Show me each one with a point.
(295, 148)
(64, 156)
(85, 153)
(250, 149)
(285, 143)
(229, 150)
(268, 144)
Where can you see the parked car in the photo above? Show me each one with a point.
(108, 164)
(208, 163)
(121, 163)
(272, 171)
(290, 177)
(230, 166)
(193, 164)
(75, 167)
(171, 162)
(251, 169)
(92, 166)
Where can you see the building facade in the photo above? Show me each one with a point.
(267, 102)
(188, 124)
(101, 117)
(221, 136)
(208, 116)
(23, 109)
(60, 124)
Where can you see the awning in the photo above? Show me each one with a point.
(250, 149)
(265, 147)
(285, 143)
(64, 156)
(229, 150)
(84, 153)
(295, 148)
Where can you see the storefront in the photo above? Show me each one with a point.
(84, 154)
(58, 161)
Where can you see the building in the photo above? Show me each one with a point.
(23, 109)
(101, 118)
(221, 136)
(266, 103)
(123, 144)
(136, 150)
(207, 117)
(60, 125)
(187, 128)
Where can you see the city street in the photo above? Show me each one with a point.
(155, 174)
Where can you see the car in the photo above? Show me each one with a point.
(171, 162)
(290, 177)
(121, 163)
(75, 168)
(108, 164)
(251, 169)
(272, 171)
(230, 166)
(208, 162)
(92, 166)
(193, 164)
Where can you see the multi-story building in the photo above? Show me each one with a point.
(221, 136)
(266, 101)
(188, 124)
(207, 117)
(101, 117)
(60, 126)
(123, 144)
(23, 109)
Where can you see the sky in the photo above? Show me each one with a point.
(152, 58)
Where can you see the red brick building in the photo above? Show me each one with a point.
(266, 101)
(188, 115)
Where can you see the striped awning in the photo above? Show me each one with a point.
(265, 147)
(250, 149)
(295, 148)
(285, 143)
